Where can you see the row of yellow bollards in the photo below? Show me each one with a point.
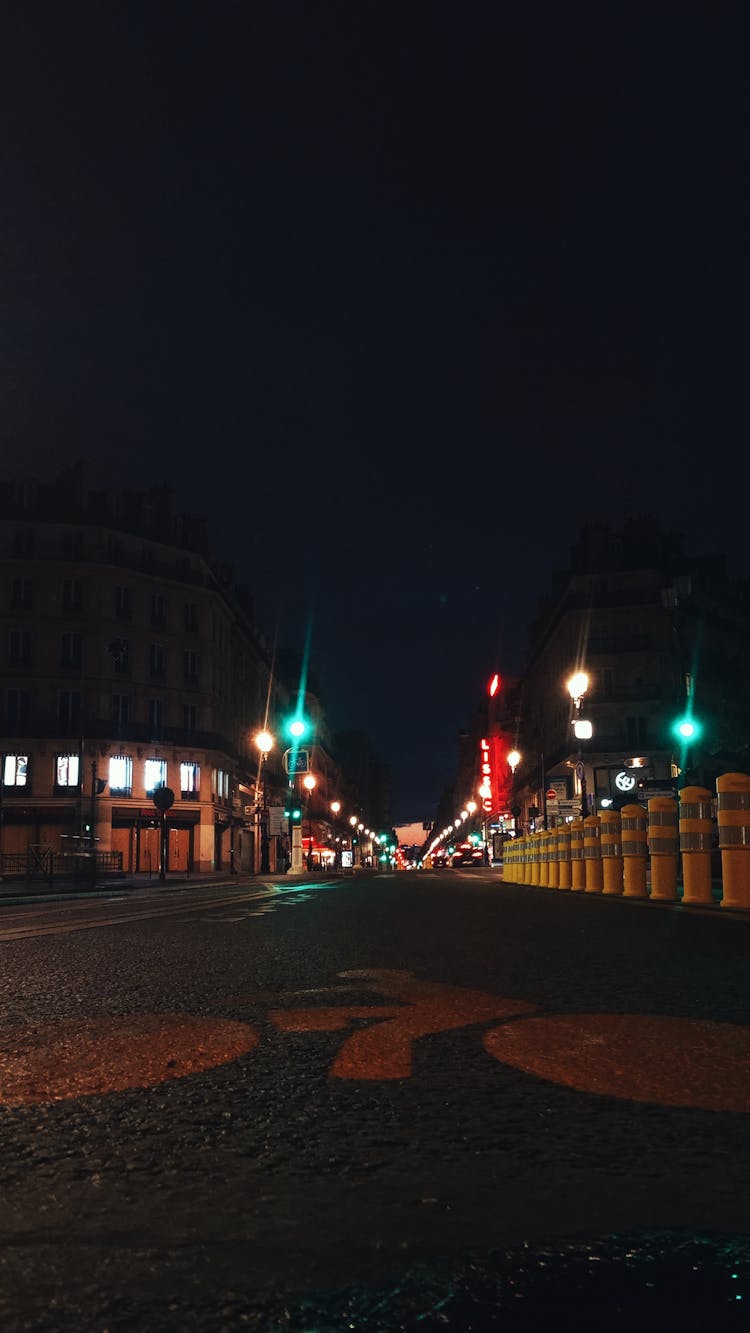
(644, 852)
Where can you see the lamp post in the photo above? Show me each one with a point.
(264, 742)
(310, 784)
(335, 808)
(582, 729)
(514, 759)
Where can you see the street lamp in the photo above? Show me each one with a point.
(335, 808)
(582, 729)
(309, 783)
(264, 742)
(514, 759)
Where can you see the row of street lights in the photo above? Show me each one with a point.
(577, 687)
(264, 741)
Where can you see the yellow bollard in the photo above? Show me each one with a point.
(592, 853)
(563, 856)
(525, 868)
(611, 840)
(509, 852)
(534, 858)
(663, 847)
(696, 837)
(634, 851)
(554, 869)
(733, 809)
(577, 870)
(543, 858)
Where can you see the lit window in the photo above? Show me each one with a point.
(67, 769)
(121, 775)
(15, 770)
(154, 775)
(190, 781)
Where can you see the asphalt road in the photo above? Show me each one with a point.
(416, 1101)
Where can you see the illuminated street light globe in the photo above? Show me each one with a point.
(309, 781)
(264, 741)
(578, 685)
(514, 760)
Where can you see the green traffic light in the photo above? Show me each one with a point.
(686, 728)
(298, 727)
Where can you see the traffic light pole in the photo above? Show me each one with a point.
(296, 839)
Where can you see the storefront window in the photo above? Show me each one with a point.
(190, 781)
(154, 775)
(15, 770)
(67, 770)
(121, 775)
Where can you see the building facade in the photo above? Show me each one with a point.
(130, 663)
(661, 636)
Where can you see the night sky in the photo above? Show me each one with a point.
(399, 295)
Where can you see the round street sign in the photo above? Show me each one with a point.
(551, 794)
(162, 798)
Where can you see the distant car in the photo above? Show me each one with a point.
(467, 855)
(439, 859)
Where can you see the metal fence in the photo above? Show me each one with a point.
(44, 864)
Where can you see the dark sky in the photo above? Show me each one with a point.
(400, 295)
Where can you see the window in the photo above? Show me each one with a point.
(21, 598)
(67, 770)
(156, 659)
(15, 770)
(190, 717)
(17, 709)
(72, 596)
(69, 707)
(122, 603)
(119, 650)
(20, 647)
(70, 650)
(156, 716)
(158, 614)
(73, 545)
(220, 783)
(154, 775)
(191, 616)
(121, 710)
(190, 781)
(114, 550)
(24, 541)
(121, 775)
(190, 660)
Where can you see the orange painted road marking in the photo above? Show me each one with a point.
(642, 1057)
(385, 1050)
(53, 1062)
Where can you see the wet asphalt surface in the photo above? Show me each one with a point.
(267, 1190)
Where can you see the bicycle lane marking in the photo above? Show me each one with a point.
(643, 1058)
(685, 1062)
(385, 1050)
(74, 1058)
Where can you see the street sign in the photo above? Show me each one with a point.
(163, 798)
(296, 761)
(580, 771)
(551, 794)
(568, 807)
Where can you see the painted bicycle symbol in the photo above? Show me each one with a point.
(679, 1062)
